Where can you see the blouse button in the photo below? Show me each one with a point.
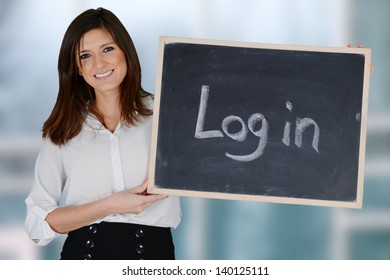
(139, 233)
(92, 229)
(140, 249)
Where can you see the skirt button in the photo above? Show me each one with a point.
(90, 243)
(139, 233)
(92, 229)
(87, 257)
(140, 249)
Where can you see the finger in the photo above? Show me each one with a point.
(150, 199)
(360, 45)
(350, 45)
(141, 188)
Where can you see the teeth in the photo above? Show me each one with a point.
(103, 74)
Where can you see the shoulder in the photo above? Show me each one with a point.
(49, 146)
(49, 153)
(148, 101)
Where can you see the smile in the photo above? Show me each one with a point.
(103, 75)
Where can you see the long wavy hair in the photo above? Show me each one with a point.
(74, 94)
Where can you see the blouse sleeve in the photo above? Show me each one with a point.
(45, 193)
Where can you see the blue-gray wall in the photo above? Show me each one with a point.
(30, 36)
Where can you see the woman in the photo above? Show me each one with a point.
(90, 175)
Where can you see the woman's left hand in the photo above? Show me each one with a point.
(360, 45)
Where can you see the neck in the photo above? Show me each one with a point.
(109, 109)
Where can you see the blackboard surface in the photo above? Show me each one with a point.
(260, 122)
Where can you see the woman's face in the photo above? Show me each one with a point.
(101, 62)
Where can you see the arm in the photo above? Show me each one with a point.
(45, 220)
(134, 201)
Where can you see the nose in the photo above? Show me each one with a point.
(98, 61)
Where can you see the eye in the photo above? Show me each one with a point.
(108, 49)
(84, 56)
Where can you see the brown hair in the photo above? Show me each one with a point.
(74, 94)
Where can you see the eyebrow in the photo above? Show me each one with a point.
(100, 47)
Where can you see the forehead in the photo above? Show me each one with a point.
(95, 38)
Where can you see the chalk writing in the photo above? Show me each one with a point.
(300, 126)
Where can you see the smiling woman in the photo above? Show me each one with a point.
(102, 63)
(96, 150)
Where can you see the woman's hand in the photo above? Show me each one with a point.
(133, 201)
(360, 45)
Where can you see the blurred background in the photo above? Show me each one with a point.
(30, 36)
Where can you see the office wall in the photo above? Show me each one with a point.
(31, 34)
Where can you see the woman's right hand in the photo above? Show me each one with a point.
(65, 219)
(134, 200)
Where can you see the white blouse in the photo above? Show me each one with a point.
(92, 166)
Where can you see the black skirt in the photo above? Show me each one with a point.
(119, 241)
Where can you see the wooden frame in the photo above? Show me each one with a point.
(154, 189)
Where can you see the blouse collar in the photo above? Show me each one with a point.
(92, 122)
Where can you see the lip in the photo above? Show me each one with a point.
(104, 75)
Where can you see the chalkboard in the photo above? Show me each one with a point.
(249, 121)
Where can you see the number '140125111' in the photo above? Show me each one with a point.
(242, 270)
